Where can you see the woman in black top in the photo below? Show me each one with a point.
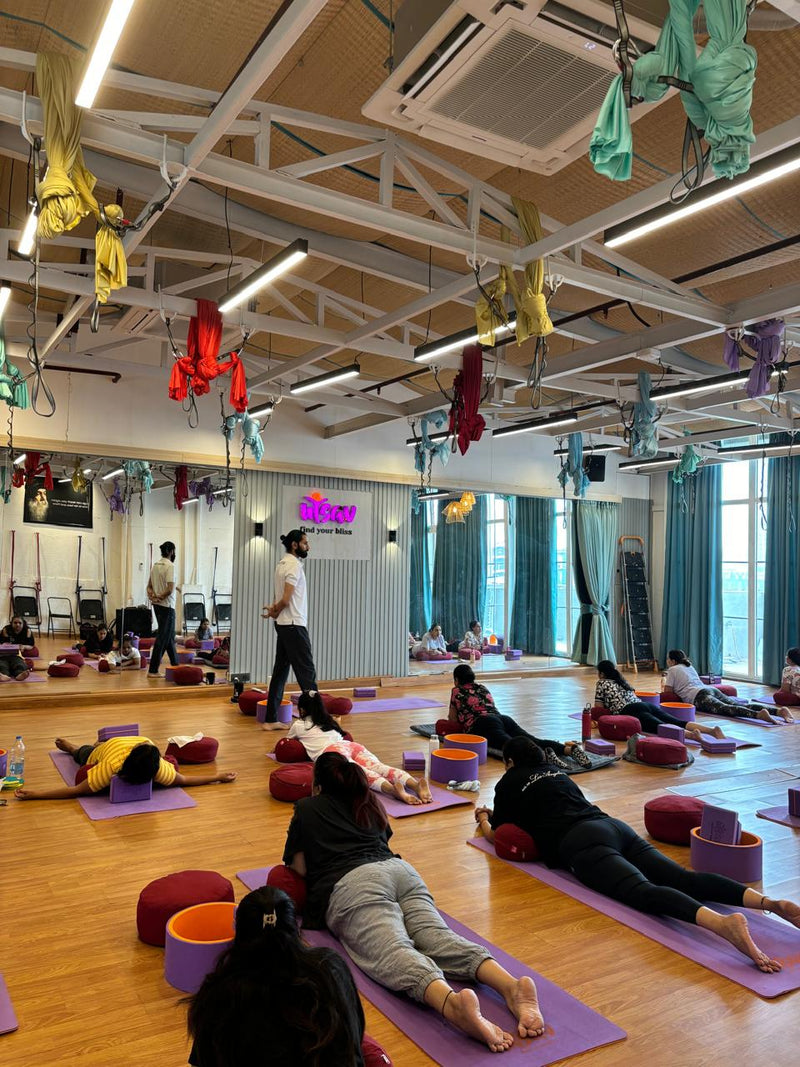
(272, 1000)
(98, 643)
(607, 855)
(382, 912)
(17, 632)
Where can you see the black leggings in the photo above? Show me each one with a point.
(497, 729)
(607, 855)
(650, 716)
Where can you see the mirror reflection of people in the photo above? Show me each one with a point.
(161, 591)
(432, 645)
(204, 631)
(13, 667)
(98, 643)
(472, 641)
(127, 657)
(17, 632)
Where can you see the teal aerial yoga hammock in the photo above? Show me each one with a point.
(722, 77)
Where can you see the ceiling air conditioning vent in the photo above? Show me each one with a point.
(520, 83)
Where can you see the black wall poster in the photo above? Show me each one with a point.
(60, 506)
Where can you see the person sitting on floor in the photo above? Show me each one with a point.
(685, 683)
(615, 693)
(216, 657)
(127, 657)
(383, 913)
(432, 645)
(472, 707)
(472, 641)
(17, 632)
(13, 666)
(790, 677)
(608, 856)
(98, 643)
(271, 991)
(135, 759)
(204, 631)
(319, 732)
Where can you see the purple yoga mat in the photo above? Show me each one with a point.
(570, 1026)
(8, 1020)
(781, 815)
(100, 807)
(394, 704)
(738, 742)
(32, 677)
(774, 936)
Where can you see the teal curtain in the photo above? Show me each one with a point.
(459, 572)
(420, 581)
(782, 568)
(594, 539)
(692, 613)
(533, 616)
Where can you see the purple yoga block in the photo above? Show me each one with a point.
(476, 744)
(365, 691)
(513, 653)
(794, 801)
(413, 761)
(709, 743)
(677, 733)
(742, 862)
(130, 729)
(123, 792)
(445, 768)
(4, 764)
(186, 657)
(600, 747)
(207, 646)
(710, 679)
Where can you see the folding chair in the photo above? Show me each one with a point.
(222, 612)
(194, 610)
(25, 603)
(91, 607)
(59, 607)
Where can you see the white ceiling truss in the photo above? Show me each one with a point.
(129, 150)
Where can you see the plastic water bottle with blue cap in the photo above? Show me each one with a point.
(16, 763)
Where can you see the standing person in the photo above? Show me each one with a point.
(161, 590)
(290, 613)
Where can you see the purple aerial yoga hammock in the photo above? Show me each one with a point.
(765, 340)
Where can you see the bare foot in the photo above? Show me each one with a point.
(22, 676)
(463, 1010)
(275, 726)
(785, 714)
(5, 677)
(400, 792)
(523, 1004)
(765, 716)
(65, 746)
(424, 790)
(717, 731)
(735, 930)
(785, 909)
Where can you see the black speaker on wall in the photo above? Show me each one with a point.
(595, 467)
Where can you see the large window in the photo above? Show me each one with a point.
(496, 608)
(743, 559)
(567, 606)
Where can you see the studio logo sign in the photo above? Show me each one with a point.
(317, 508)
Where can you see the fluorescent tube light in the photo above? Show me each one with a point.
(565, 418)
(27, 239)
(62, 480)
(113, 474)
(590, 448)
(765, 170)
(262, 409)
(757, 450)
(220, 492)
(20, 459)
(435, 437)
(265, 274)
(5, 296)
(722, 381)
(456, 341)
(103, 51)
(321, 380)
(437, 494)
(664, 461)
(191, 500)
(87, 470)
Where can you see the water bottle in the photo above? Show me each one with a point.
(16, 760)
(586, 723)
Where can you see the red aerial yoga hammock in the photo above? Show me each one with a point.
(200, 366)
(33, 468)
(465, 422)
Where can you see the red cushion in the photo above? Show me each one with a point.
(29, 663)
(221, 659)
(784, 699)
(447, 726)
(511, 843)
(104, 666)
(618, 727)
(146, 642)
(338, 705)
(159, 900)
(71, 657)
(63, 670)
(248, 701)
(293, 885)
(82, 772)
(292, 781)
(32, 651)
(374, 1054)
(186, 674)
(661, 750)
(669, 696)
(670, 818)
(728, 690)
(202, 751)
(171, 759)
(597, 711)
(290, 750)
(191, 642)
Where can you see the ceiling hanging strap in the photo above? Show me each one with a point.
(103, 550)
(624, 52)
(78, 573)
(38, 565)
(11, 582)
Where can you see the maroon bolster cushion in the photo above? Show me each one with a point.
(291, 750)
(783, 699)
(671, 818)
(221, 659)
(512, 843)
(186, 674)
(171, 759)
(373, 1054)
(728, 690)
(669, 696)
(63, 670)
(248, 701)
(338, 705)
(146, 643)
(597, 711)
(292, 884)
(82, 773)
(31, 651)
(618, 727)
(71, 657)
(202, 751)
(104, 666)
(447, 726)
(191, 642)
(159, 900)
(29, 663)
(292, 781)
(661, 751)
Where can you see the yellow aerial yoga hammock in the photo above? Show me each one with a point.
(66, 195)
(533, 319)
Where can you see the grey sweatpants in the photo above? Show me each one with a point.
(384, 915)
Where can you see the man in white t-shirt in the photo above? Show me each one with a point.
(161, 593)
(290, 612)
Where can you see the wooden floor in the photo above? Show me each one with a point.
(87, 992)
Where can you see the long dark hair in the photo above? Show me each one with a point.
(336, 776)
(794, 655)
(609, 670)
(269, 981)
(677, 655)
(313, 708)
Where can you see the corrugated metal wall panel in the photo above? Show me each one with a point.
(358, 609)
(634, 519)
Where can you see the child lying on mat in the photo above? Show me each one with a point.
(472, 707)
(270, 991)
(319, 732)
(135, 759)
(382, 911)
(609, 857)
(127, 658)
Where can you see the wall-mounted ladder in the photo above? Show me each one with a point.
(636, 604)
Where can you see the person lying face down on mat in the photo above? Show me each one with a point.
(135, 759)
(382, 911)
(609, 857)
(98, 643)
(472, 707)
(319, 732)
(685, 683)
(615, 693)
(273, 999)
